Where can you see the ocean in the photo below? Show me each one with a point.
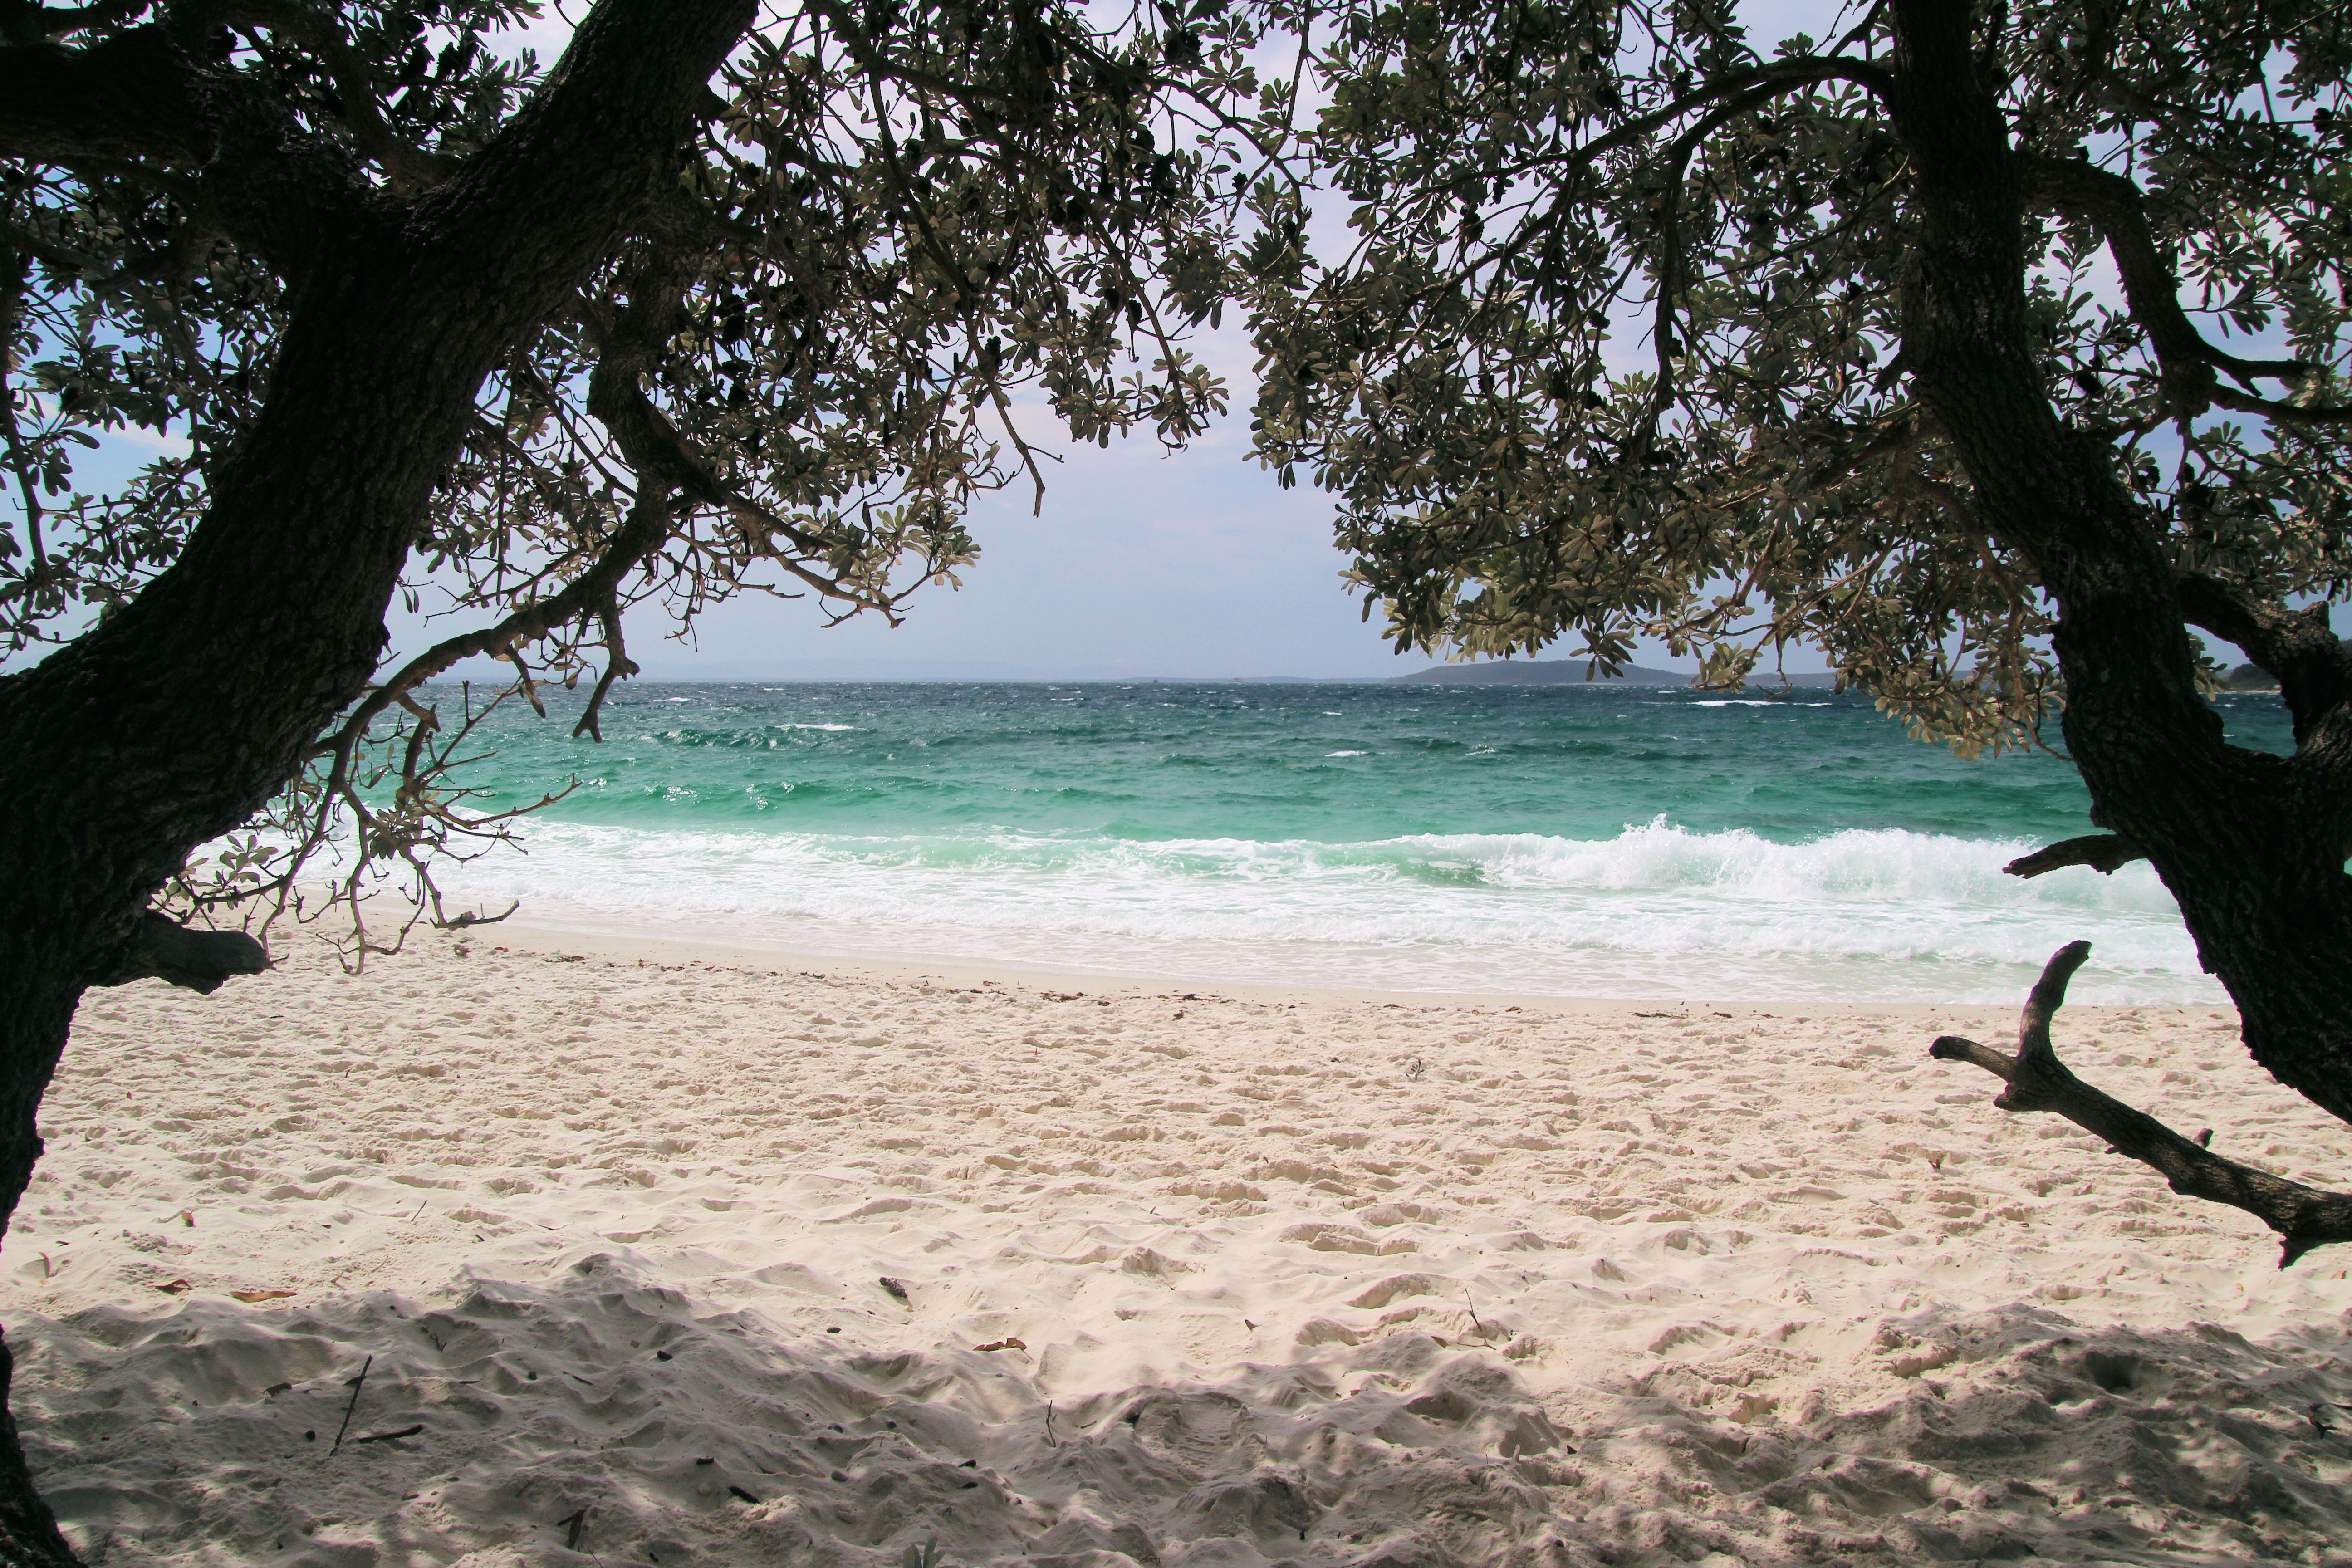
(1603, 841)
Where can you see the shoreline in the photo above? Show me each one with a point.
(730, 1262)
(691, 941)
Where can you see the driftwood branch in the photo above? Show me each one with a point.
(2304, 1217)
(2102, 852)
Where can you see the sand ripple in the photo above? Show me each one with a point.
(670, 1263)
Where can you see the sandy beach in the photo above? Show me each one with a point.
(641, 1255)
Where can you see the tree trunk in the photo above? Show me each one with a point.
(170, 721)
(2250, 844)
(35, 1007)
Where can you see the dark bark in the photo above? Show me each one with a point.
(2105, 853)
(2304, 1217)
(127, 97)
(2297, 647)
(170, 721)
(199, 960)
(2252, 846)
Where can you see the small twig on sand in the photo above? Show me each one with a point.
(1473, 1311)
(573, 1528)
(357, 1384)
(388, 1437)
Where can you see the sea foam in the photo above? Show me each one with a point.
(1658, 910)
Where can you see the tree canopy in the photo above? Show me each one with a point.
(1627, 342)
(1996, 349)
(729, 298)
(791, 377)
(1988, 347)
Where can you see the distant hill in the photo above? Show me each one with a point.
(1571, 673)
(2254, 678)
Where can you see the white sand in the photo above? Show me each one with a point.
(1336, 1283)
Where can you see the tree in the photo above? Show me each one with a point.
(1996, 350)
(719, 303)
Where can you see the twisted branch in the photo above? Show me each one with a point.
(2304, 1217)
(2315, 674)
(591, 594)
(409, 168)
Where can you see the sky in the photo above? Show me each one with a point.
(1140, 563)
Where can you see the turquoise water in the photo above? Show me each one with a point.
(1579, 840)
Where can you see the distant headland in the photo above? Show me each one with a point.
(1577, 672)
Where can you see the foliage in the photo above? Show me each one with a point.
(1617, 348)
(897, 219)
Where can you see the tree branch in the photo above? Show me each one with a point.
(2304, 1217)
(667, 468)
(2113, 204)
(1670, 268)
(1764, 81)
(135, 105)
(2315, 674)
(2271, 409)
(591, 594)
(583, 158)
(409, 169)
(163, 949)
(2102, 852)
(65, 259)
(128, 96)
(652, 443)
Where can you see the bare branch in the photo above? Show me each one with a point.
(2105, 853)
(617, 665)
(2304, 1217)
(639, 535)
